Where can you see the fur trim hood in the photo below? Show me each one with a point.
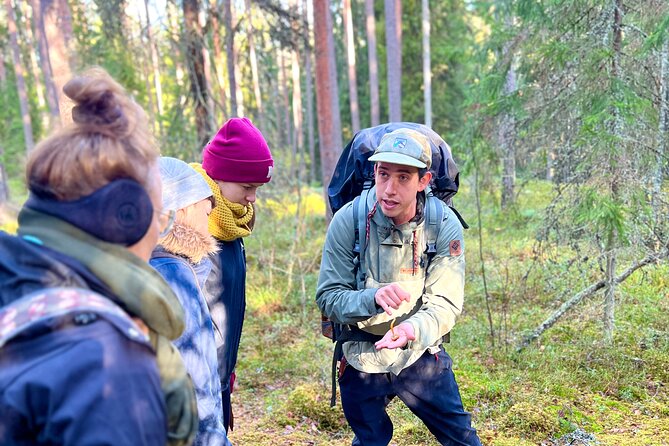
(185, 241)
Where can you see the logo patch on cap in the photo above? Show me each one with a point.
(399, 143)
(269, 171)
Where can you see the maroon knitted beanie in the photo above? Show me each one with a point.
(238, 154)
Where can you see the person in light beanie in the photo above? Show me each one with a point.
(182, 258)
(235, 163)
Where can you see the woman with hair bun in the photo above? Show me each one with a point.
(85, 323)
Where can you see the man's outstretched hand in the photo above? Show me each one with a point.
(397, 337)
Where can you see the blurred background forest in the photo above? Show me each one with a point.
(557, 112)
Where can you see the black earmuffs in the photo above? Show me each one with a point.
(120, 212)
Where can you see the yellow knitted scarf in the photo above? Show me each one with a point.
(227, 221)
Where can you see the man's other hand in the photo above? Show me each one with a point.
(391, 296)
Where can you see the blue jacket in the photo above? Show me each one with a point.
(197, 343)
(225, 292)
(82, 384)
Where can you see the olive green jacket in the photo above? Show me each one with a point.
(393, 254)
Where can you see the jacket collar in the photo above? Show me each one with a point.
(137, 286)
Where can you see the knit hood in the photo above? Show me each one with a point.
(185, 241)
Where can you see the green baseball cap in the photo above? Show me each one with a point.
(406, 147)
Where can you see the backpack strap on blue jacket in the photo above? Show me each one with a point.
(65, 306)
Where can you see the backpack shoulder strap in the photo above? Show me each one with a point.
(360, 210)
(76, 306)
(434, 214)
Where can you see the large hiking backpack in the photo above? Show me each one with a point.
(353, 179)
(354, 172)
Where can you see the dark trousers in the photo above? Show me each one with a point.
(227, 409)
(427, 387)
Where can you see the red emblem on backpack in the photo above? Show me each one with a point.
(455, 247)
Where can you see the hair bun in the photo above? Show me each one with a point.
(99, 103)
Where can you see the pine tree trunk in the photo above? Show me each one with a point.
(43, 48)
(427, 65)
(394, 58)
(309, 91)
(350, 59)
(20, 80)
(327, 92)
(3, 69)
(370, 26)
(253, 60)
(206, 57)
(58, 31)
(4, 184)
(195, 63)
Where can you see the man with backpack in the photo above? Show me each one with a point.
(392, 300)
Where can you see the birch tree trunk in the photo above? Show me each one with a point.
(20, 80)
(309, 92)
(663, 129)
(612, 239)
(58, 32)
(206, 57)
(506, 133)
(253, 60)
(218, 59)
(195, 64)
(327, 92)
(370, 26)
(26, 35)
(154, 64)
(43, 49)
(427, 65)
(283, 92)
(393, 11)
(230, 56)
(350, 59)
(298, 139)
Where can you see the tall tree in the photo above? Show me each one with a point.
(298, 131)
(370, 27)
(194, 43)
(43, 48)
(253, 60)
(231, 55)
(506, 133)
(57, 21)
(350, 59)
(18, 73)
(309, 90)
(393, 10)
(427, 66)
(663, 128)
(327, 91)
(222, 102)
(155, 65)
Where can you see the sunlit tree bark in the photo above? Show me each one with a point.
(327, 91)
(58, 31)
(350, 59)
(393, 11)
(370, 27)
(45, 63)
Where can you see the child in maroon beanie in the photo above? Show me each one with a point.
(235, 163)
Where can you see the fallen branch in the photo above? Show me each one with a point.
(589, 291)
